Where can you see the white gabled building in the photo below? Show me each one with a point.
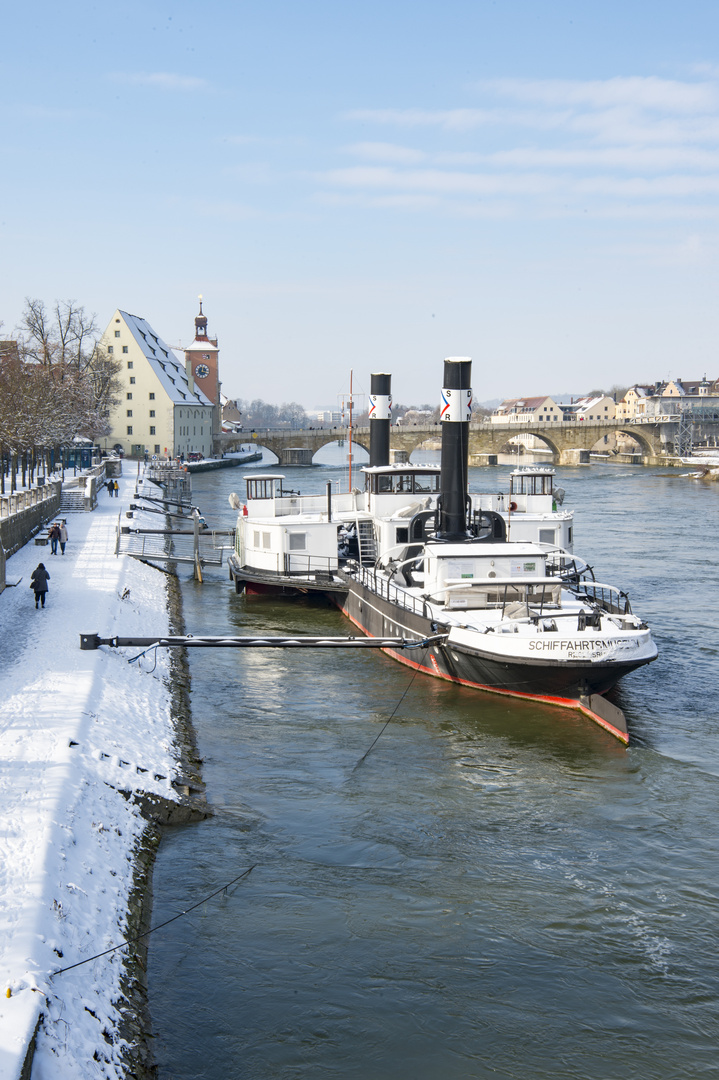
(530, 410)
(602, 407)
(162, 411)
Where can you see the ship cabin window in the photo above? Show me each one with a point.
(262, 487)
(547, 536)
(531, 484)
(298, 541)
(406, 483)
(266, 542)
(256, 539)
(403, 536)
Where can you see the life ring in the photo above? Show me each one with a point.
(512, 506)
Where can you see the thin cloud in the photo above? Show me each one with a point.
(457, 119)
(437, 181)
(162, 80)
(665, 95)
(621, 146)
(382, 151)
(635, 158)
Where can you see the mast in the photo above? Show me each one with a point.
(350, 438)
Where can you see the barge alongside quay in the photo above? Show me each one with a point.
(414, 555)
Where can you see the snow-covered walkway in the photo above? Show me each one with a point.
(74, 727)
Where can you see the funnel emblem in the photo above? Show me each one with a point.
(456, 406)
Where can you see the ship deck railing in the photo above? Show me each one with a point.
(313, 505)
(387, 590)
(298, 565)
(494, 593)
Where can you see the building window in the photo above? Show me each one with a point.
(111, 348)
(129, 412)
(157, 448)
(152, 412)
(129, 396)
(132, 379)
(124, 349)
(152, 397)
(152, 431)
(129, 429)
(117, 333)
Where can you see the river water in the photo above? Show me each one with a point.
(501, 889)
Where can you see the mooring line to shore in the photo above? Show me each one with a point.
(389, 718)
(139, 937)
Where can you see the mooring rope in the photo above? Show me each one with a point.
(392, 714)
(139, 656)
(131, 941)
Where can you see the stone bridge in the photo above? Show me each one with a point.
(561, 437)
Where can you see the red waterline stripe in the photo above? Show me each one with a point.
(561, 702)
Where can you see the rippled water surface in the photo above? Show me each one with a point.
(500, 889)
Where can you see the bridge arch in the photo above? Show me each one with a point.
(339, 440)
(502, 440)
(634, 432)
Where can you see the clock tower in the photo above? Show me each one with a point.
(202, 366)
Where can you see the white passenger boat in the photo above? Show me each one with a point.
(490, 579)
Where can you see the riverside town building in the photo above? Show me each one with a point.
(167, 408)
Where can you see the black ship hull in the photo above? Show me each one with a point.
(571, 684)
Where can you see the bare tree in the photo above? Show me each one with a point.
(66, 341)
(66, 336)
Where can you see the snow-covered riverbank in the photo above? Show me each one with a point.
(77, 729)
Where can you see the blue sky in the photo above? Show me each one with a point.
(374, 186)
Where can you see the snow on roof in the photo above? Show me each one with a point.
(167, 367)
(202, 346)
(524, 403)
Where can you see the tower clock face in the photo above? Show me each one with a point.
(202, 371)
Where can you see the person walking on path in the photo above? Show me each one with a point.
(38, 583)
(62, 535)
(116, 487)
(54, 536)
(110, 487)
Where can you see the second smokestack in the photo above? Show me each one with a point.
(380, 418)
(455, 415)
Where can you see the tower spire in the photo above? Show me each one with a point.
(200, 324)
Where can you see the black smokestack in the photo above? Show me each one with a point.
(380, 416)
(456, 411)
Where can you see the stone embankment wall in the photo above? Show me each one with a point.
(22, 515)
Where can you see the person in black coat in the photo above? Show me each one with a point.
(38, 583)
(54, 536)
